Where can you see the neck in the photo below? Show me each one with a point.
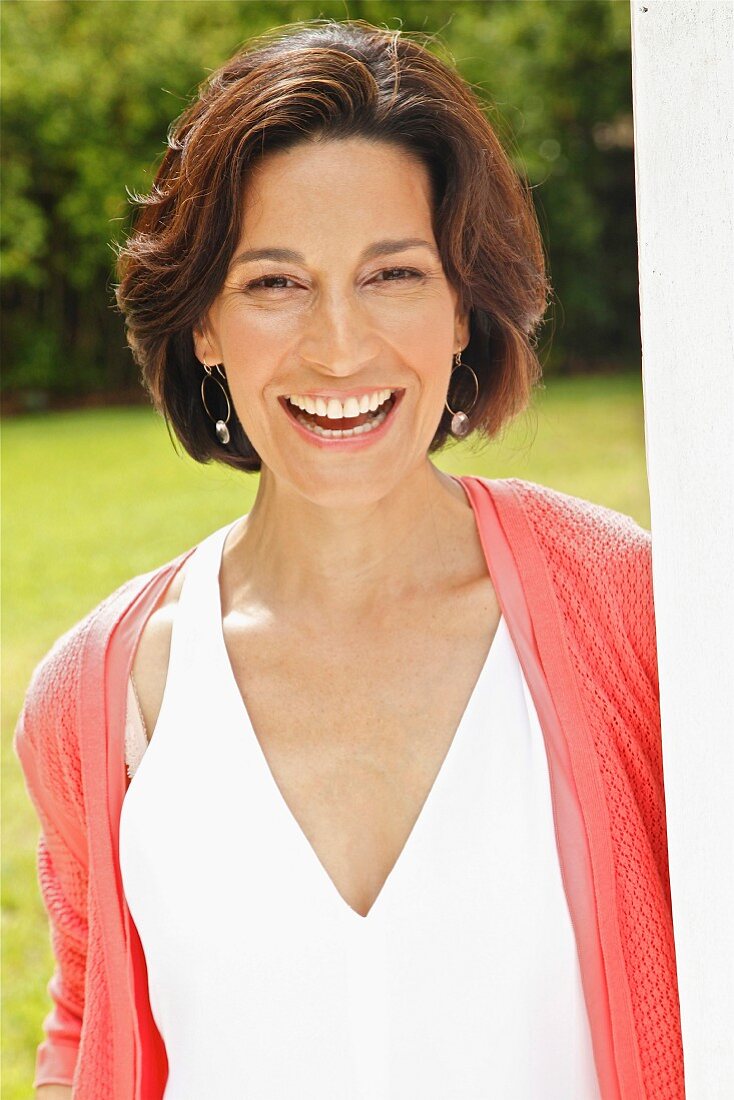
(299, 557)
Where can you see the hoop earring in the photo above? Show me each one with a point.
(460, 420)
(220, 425)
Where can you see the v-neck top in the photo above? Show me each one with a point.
(462, 981)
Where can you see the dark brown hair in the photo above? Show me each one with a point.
(332, 79)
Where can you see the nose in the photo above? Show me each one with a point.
(339, 336)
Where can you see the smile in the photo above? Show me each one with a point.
(355, 429)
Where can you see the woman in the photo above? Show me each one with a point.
(362, 795)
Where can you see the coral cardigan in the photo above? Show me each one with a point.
(574, 581)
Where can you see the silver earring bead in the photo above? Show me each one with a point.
(220, 426)
(460, 419)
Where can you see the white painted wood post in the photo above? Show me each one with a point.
(683, 90)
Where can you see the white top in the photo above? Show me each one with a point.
(461, 983)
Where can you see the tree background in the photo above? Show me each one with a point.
(90, 87)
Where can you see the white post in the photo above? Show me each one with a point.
(683, 91)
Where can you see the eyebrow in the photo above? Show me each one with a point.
(371, 252)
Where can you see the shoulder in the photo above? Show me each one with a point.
(50, 701)
(46, 735)
(53, 680)
(592, 543)
(600, 564)
(577, 521)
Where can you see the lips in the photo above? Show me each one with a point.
(346, 422)
(342, 395)
(349, 442)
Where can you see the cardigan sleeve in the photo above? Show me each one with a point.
(635, 591)
(46, 745)
(628, 582)
(633, 586)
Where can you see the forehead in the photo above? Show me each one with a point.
(351, 189)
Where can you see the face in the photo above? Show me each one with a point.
(335, 295)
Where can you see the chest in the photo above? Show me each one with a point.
(354, 726)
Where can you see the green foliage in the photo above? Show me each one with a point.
(90, 88)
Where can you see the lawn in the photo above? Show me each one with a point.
(91, 498)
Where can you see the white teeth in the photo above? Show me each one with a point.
(331, 433)
(338, 410)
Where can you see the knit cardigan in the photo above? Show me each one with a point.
(574, 582)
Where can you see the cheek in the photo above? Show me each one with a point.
(246, 390)
(248, 385)
(429, 347)
(433, 322)
(249, 326)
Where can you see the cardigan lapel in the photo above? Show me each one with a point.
(106, 662)
(99, 786)
(526, 594)
(151, 1063)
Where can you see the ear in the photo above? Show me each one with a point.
(462, 328)
(206, 347)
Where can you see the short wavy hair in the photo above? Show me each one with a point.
(315, 79)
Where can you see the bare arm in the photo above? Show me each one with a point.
(53, 1092)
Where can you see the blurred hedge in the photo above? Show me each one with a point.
(89, 89)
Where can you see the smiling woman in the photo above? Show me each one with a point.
(362, 794)
(336, 326)
(280, 212)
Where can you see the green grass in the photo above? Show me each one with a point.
(90, 498)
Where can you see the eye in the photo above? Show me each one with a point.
(265, 281)
(257, 284)
(399, 270)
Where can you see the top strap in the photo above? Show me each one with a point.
(197, 616)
